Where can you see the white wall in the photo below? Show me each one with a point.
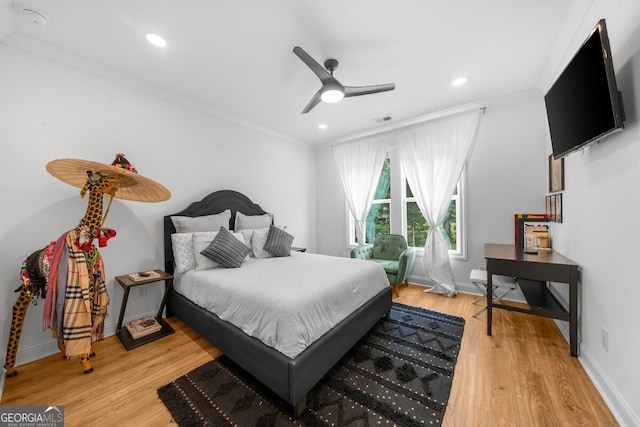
(600, 208)
(50, 111)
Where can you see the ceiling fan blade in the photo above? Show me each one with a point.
(318, 69)
(365, 90)
(314, 101)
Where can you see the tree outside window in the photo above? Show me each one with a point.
(379, 217)
(417, 226)
(412, 225)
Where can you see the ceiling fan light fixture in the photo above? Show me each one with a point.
(332, 90)
(331, 95)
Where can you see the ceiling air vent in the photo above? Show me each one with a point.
(382, 119)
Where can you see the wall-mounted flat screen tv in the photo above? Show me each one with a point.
(583, 104)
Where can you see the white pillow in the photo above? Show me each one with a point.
(200, 242)
(246, 222)
(258, 239)
(187, 224)
(183, 252)
(247, 235)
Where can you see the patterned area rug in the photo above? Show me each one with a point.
(400, 373)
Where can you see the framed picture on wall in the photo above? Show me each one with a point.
(558, 198)
(521, 221)
(553, 215)
(547, 202)
(556, 174)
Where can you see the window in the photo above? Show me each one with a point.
(395, 210)
(417, 227)
(379, 217)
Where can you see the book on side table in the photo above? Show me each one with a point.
(143, 327)
(144, 275)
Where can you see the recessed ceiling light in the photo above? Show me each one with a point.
(459, 81)
(156, 40)
(322, 126)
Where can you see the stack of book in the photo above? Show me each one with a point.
(144, 275)
(143, 327)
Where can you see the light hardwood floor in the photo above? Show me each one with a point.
(523, 375)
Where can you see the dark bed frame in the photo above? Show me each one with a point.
(290, 379)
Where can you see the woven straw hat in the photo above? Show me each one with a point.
(133, 186)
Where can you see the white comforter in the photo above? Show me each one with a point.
(287, 302)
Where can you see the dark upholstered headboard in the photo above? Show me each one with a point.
(212, 204)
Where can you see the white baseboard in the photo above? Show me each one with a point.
(466, 288)
(619, 407)
(36, 352)
(621, 410)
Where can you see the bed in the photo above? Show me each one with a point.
(289, 375)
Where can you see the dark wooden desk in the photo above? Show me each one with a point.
(533, 271)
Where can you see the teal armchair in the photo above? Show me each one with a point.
(393, 253)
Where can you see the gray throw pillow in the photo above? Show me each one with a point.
(186, 224)
(247, 222)
(278, 242)
(226, 250)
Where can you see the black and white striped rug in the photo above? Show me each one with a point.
(400, 373)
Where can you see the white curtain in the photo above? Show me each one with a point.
(433, 154)
(359, 164)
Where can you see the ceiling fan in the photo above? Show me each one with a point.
(332, 90)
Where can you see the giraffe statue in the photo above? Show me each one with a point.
(39, 275)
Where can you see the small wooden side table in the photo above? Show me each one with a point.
(127, 283)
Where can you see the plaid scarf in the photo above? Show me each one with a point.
(54, 251)
(77, 297)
